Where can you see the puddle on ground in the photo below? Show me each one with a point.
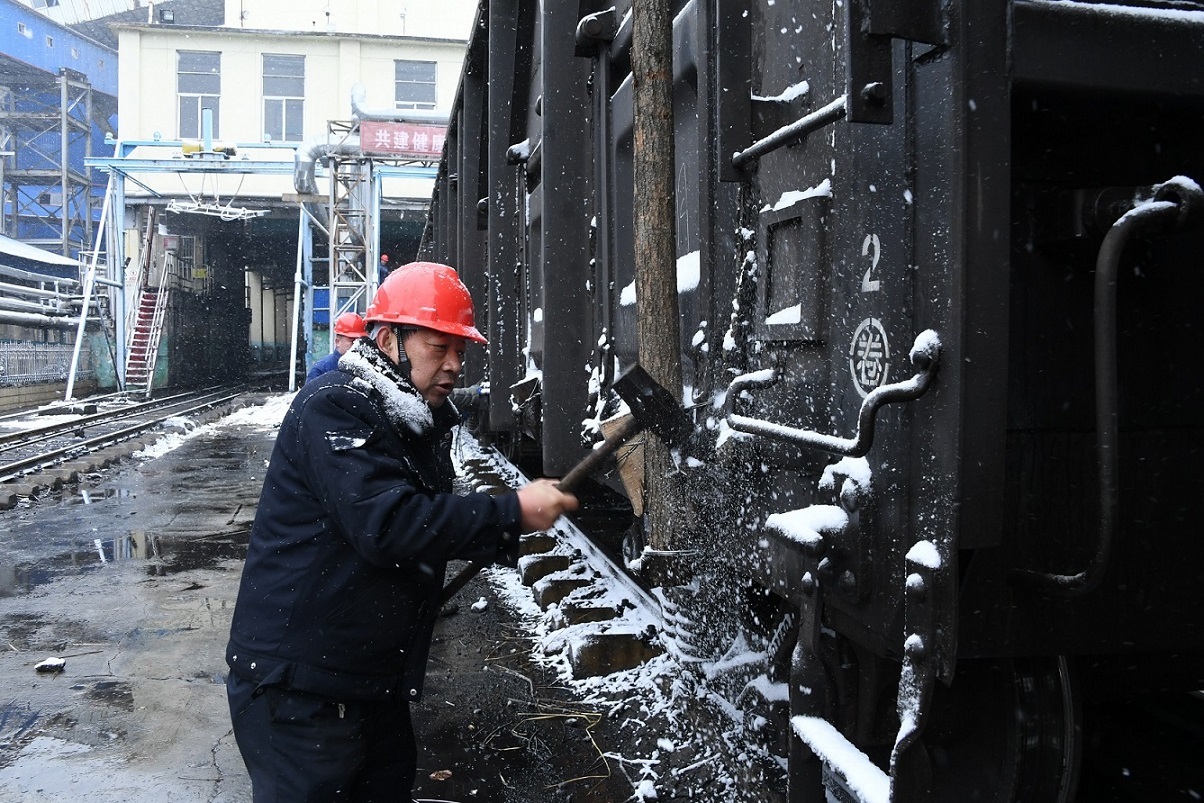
(115, 693)
(88, 496)
(164, 555)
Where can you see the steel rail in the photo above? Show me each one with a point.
(27, 437)
(52, 457)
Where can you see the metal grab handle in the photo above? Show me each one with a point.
(807, 124)
(925, 355)
(1171, 204)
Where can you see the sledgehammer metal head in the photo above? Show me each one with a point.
(654, 407)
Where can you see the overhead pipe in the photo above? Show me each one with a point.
(40, 278)
(305, 160)
(310, 152)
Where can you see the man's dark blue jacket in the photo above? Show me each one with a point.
(352, 536)
(327, 363)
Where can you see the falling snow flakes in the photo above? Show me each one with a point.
(806, 526)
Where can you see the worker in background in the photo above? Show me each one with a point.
(345, 566)
(348, 328)
(382, 269)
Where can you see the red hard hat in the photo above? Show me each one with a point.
(425, 294)
(349, 324)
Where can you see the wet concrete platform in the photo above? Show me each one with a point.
(130, 576)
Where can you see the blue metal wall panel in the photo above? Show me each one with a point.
(28, 38)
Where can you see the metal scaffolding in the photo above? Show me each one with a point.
(46, 128)
(353, 212)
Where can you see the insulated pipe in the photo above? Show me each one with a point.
(305, 159)
(35, 292)
(1171, 203)
(360, 112)
(33, 319)
(31, 306)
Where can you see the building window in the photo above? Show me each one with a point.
(199, 86)
(283, 96)
(415, 84)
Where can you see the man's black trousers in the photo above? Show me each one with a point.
(304, 747)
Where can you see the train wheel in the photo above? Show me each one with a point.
(509, 445)
(1006, 731)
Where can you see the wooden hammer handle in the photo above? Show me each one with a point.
(588, 465)
(592, 461)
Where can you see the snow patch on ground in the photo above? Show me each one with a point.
(262, 417)
(659, 690)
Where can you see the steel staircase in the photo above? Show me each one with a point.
(145, 326)
(144, 339)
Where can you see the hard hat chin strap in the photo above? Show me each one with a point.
(400, 332)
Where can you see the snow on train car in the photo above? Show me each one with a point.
(938, 273)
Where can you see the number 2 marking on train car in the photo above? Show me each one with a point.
(871, 243)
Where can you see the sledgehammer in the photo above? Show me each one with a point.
(652, 408)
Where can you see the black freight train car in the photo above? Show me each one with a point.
(940, 274)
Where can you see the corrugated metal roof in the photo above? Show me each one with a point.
(187, 12)
(16, 248)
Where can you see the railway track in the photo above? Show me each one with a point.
(56, 446)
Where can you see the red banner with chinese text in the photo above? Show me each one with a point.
(407, 140)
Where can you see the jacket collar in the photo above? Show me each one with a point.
(404, 405)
